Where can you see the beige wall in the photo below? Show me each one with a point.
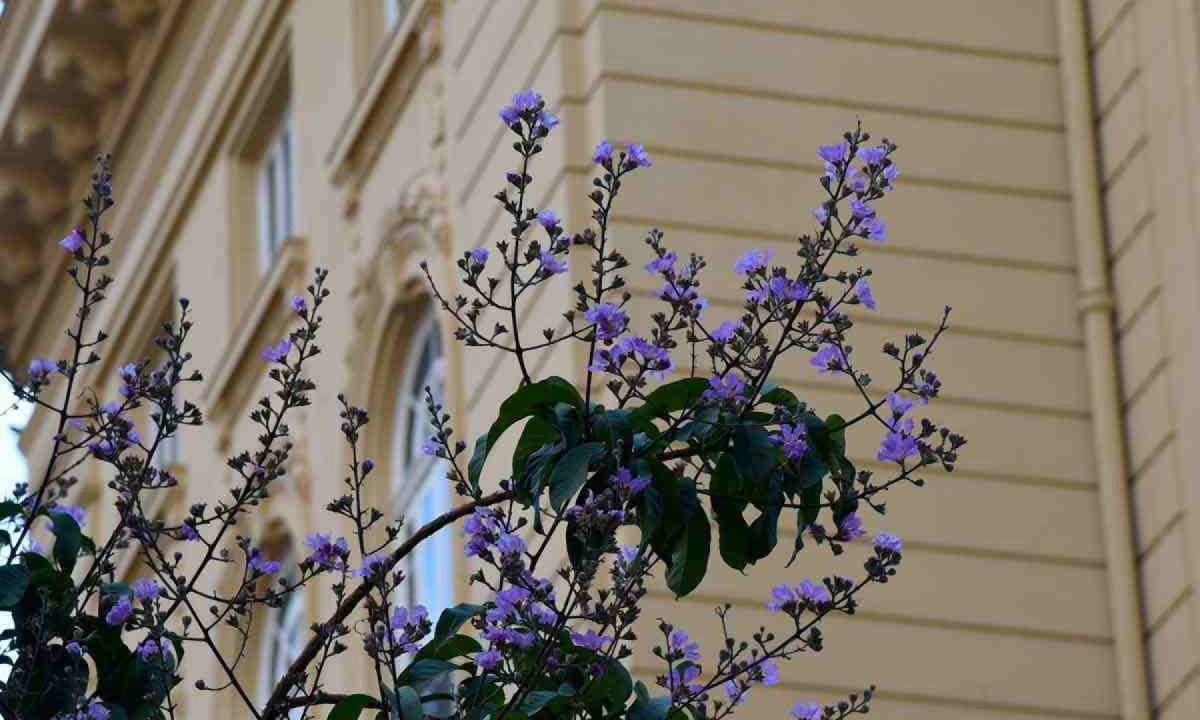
(1001, 611)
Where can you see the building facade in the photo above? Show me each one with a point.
(1048, 150)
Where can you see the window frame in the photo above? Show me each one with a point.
(276, 192)
(279, 634)
(418, 478)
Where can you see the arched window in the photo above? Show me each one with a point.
(282, 634)
(420, 491)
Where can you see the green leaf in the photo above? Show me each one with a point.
(9, 509)
(725, 487)
(537, 434)
(424, 670)
(673, 396)
(612, 687)
(450, 647)
(782, 397)
(538, 699)
(13, 581)
(689, 560)
(350, 707)
(67, 539)
(523, 403)
(570, 473)
(453, 618)
(408, 704)
(755, 455)
(646, 707)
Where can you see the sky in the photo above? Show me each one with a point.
(12, 465)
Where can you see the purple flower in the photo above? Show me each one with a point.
(682, 647)
(149, 648)
(111, 409)
(828, 358)
(325, 552)
(146, 589)
(74, 648)
(792, 439)
(752, 261)
(548, 219)
(872, 154)
(662, 263)
(850, 528)
(890, 173)
(431, 447)
(551, 263)
(683, 681)
(821, 213)
(132, 436)
(634, 484)
(102, 449)
(768, 672)
(899, 404)
(834, 153)
(857, 181)
(862, 289)
(781, 597)
(735, 691)
(609, 319)
(76, 513)
(479, 256)
(729, 388)
(780, 288)
(548, 120)
(874, 228)
(861, 210)
(510, 544)
(637, 156)
(39, 368)
(278, 352)
(188, 532)
(73, 241)
(888, 542)
(261, 564)
(299, 304)
(803, 710)
(488, 659)
(812, 593)
(726, 330)
(119, 612)
(627, 554)
(603, 152)
(590, 640)
(97, 711)
(522, 102)
(371, 564)
(899, 444)
(408, 626)
(927, 386)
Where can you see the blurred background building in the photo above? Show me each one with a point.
(1048, 192)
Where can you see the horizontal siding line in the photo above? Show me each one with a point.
(851, 106)
(885, 249)
(907, 325)
(1127, 82)
(1140, 389)
(816, 170)
(1143, 139)
(1167, 438)
(952, 399)
(470, 44)
(1123, 244)
(1105, 33)
(824, 32)
(1188, 678)
(1010, 555)
(1157, 539)
(1139, 311)
(500, 130)
(1176, 604)
(882, 694)
(891, 618)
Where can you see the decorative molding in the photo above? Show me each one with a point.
(389, 273)
(71, 69)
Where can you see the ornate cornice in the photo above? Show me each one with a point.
(67, 68)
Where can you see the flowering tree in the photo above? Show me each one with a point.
(673, 436)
